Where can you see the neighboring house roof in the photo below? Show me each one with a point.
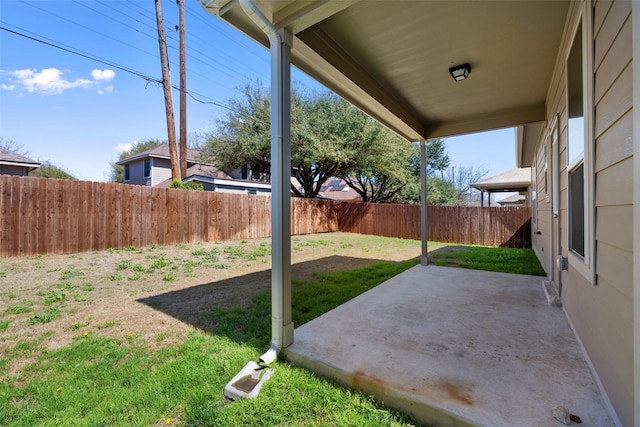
(337, 189)
(199, 172)
(162, 152)
(518, 179)
(11, 158)
(516, 199)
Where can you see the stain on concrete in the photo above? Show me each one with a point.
(456, 392)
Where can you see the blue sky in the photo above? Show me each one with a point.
(78, 112)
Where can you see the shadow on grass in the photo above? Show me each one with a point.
(247, 320)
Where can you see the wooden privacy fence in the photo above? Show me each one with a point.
(42, 216)
(488, 226)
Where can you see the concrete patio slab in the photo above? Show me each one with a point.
(456, 347)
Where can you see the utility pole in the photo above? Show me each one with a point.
(183, 95)
(168, 101)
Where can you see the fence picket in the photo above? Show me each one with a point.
(39, 215)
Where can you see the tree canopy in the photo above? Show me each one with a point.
(50, 170)
(329, 137)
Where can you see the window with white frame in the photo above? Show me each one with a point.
(545, 169)
(147, 168)
(579, 155)
(534, 200)
(127, 173)
(575, 145)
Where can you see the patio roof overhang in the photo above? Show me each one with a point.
(391, 58)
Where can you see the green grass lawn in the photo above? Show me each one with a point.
(503, 260)
(99, 381)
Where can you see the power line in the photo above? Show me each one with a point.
(112, 18)
(209, 62)
(152, 27)
(84, 26)
(143, 76)
(77, 52)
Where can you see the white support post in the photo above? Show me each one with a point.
(424, 230)
(281, 325)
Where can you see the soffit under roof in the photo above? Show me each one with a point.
(518, 179)
(391, 58)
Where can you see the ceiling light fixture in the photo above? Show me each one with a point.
(460, 72)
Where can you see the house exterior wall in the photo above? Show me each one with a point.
(160, 170)
(598, 305)
(13, 170)
(136, 174)
(541, 238)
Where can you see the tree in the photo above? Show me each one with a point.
(440, 192)
(242, 138)
(462, 178)
(11, 145)
(117, 172)
(50, 170)
(328, 139)
(381, 165)
(324, 133)
(437, 158)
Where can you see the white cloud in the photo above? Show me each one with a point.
(51, 81)
(107, 89)
(124, 147)
(103, 75)
(48, 81)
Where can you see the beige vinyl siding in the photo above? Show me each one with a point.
(602, 313)
(160, 170)
(542, 242)
(616, 144)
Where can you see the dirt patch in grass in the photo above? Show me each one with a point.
(52, 300)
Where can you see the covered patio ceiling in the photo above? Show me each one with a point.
(391, 58)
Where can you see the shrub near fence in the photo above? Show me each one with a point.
(43, 216)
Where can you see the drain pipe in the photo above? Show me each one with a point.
(279, 42)
(248, 382)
